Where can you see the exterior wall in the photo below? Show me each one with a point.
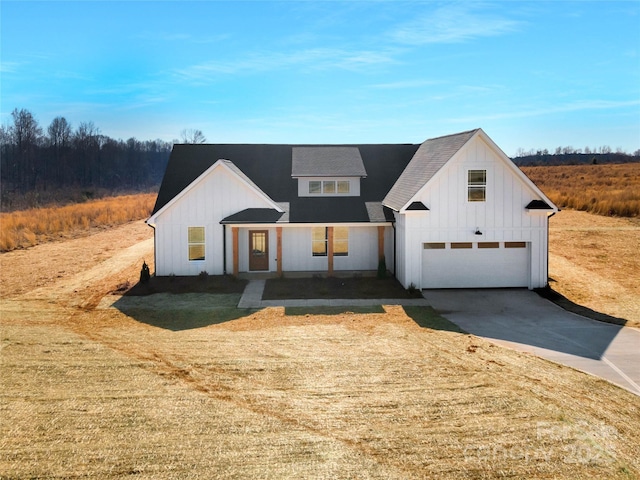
(354, 186)
(217, 196)
(451, 218)
(297, 257)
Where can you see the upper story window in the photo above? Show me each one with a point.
(329, 187)
(315, 187)
(477, 185)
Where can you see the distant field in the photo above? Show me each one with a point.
(611, 190)
(26, 228)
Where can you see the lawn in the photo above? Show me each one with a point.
(185, 385)
(272, 393)
(335, 287)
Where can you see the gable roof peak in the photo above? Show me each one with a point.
(430, 157)
(468, 133)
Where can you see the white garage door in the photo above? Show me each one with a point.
(475, 264)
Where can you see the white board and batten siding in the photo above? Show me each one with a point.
(219, 194)
(297, 254)
(451, 218)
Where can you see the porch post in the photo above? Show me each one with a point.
(236, 255)
(279, 249)
(380, 242)
(330, 249)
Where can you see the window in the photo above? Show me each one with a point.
(433, 246)
(488, 245)
(515, 244)
(315, 187)
(196, 243)
(319, 241)
(340, 241)
(477, 185)
(329, 186)
(461, 245)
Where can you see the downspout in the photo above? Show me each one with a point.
(395, 249)
(224, 249)
(548, 218)
(155, 250)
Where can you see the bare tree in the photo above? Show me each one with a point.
(191, 135)
(26, 135)
(59, 132)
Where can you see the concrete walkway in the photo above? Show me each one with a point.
(522, 320)
(252, 298)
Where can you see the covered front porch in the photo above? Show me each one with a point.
(266, 250)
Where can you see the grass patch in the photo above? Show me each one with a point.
(427, 317)
(562, 301)
(217, 284)
(335, 288)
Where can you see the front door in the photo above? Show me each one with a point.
(258, 250)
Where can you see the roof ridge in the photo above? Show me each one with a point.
(474, 130)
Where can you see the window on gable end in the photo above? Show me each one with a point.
(196, 243)
(477, 185)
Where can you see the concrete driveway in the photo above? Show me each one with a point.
(522, 320)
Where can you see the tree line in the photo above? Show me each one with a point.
(574, 156)
(60, 157)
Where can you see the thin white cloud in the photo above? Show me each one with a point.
(9, 67)
(454, 23)
(405, 84)
(536, 112)
(312, 59)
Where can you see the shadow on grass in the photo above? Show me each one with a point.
(562, 301)
(218, 284)
(427, 317)
(335, 288)
(183, 311)
(179, 320)
(302, 311)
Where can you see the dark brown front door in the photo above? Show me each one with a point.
(258, 250)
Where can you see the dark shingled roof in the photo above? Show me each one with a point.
(417, 206)
(430, 157)
(254, 215)
(327, 161)
(538, 205)
(269, 167)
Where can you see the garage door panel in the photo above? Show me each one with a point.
(475, 267)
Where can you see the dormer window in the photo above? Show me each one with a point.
(315, 187)
(327, 170)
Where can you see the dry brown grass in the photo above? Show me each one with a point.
(612, 190)
(26, 228)
(89, 390)
(594, 261)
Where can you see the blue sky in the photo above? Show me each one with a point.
(531, 74)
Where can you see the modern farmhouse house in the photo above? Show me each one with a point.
(452, 212)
